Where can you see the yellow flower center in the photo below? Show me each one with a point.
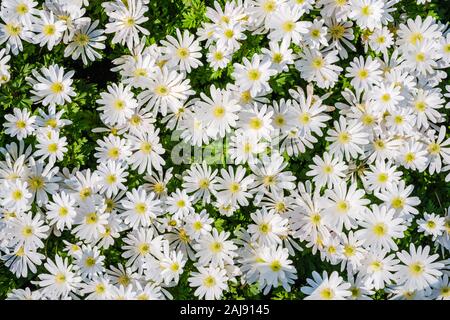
(218, 56)
(216, 247)
(235, 187)
(17, 195)
(60, 278)
(344, 137)
(49, 29)
(255, 123)
(85, 193)
(162, 90)
(327, 293)
(90, 262)
(209, 282)
(277, 58)
(288, 26)
(269, 6)
(57, 87)
(13, 29)
(144, 249)
(409, 157)
(140, 208)
(380, 229)
(342, 206)
(254, 74)
(416, 37)
(91, 218)
(386, 97)
(363, 74)
(265, 228)
(22, 9)
(397, 203)
(304, 118)
(318, 62)
(27, 231)
(63, 211)
(383, 177)
(203, 183)
(114, 152)
(36, 183)
(81, 39)
(275, 266)
(119, 104)
(366, 11)
(420, 57)
(146, 147)
(416, 269)
(129, 22)
(219, 112)
(182, 53)
(434, 148)
(229, 33)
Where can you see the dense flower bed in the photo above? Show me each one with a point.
(240, 149)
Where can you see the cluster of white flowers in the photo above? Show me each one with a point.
(352, 211)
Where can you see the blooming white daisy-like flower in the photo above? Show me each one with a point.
(60, 279)
(61, 210)
(364, 73)
(112, 177)
(19, 125)
(314, 65)
(253, 75)
(268, 228)
(326, 287)
(232, 186)
(141, 208)
(182, 52)
(52, 86)
(49, 31)
(117, 104)
(366, 13)
(275, 268)
(125, 20)
(146, 151)
(214, 249)
(85, 42)
(418, 268)
(380, 228)
(328, 171)
(284, 25)
(219, 113)
(210, 282)
(431, 224)
(167, 89)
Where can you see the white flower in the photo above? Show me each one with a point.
(183, 52)
(210, 282)
(380, 228)
(49, 31)
(60, 279)
(418, 270)
(317, 66)
(214, 249)
(86, 39)
(218, 113)
(233, 186)
(117, 104)
(125, 20)
(140, 208)
(21, 124)
(326, 287)
(52, 86)
(253, 75)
